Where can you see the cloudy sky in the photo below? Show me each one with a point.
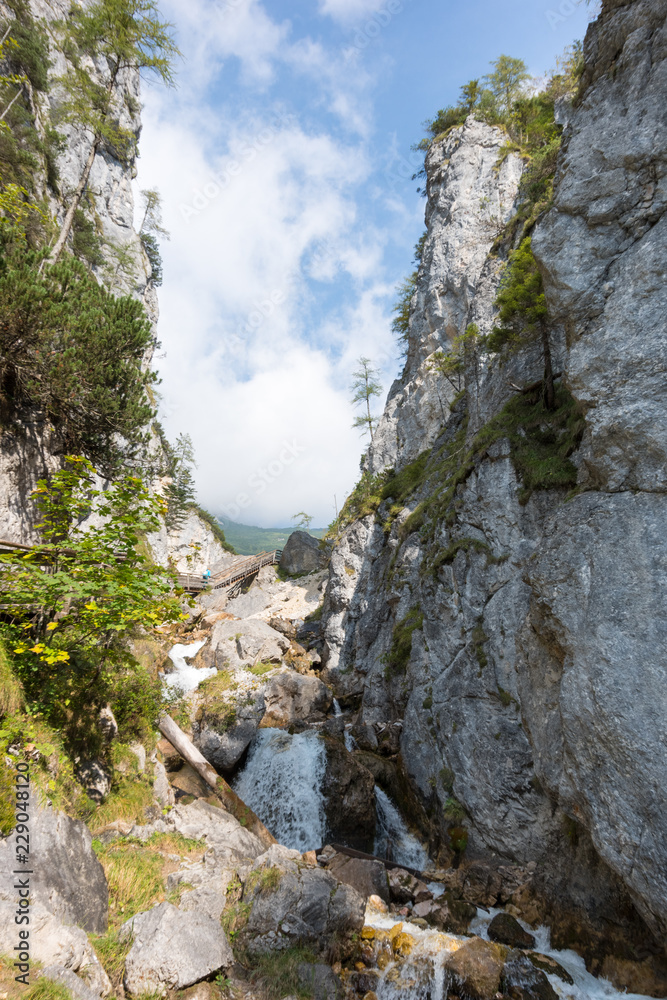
(284, 164)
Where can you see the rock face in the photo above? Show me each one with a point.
(302, 554)
(291, 697)
(68, 879)
(300, 905)
(535, 680)
(349, 799)
(172, 949)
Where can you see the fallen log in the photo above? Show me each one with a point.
(230, 800)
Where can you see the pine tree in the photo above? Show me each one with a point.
(125, 34)
(365, 385)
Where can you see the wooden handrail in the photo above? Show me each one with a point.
(235, 574)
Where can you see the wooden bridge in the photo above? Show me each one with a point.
(232, 576)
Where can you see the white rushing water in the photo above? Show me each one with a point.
(393, 840)
(422, 975)
(350, 742)
(282, 783)
(184, 677)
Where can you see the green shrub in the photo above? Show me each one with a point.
(71, 349)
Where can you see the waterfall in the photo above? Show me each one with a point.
(282, 783)
(185, 677)
(393, 840)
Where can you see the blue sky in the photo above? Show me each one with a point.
(284, 163)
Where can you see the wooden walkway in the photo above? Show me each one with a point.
(193, 582)
(234, 574)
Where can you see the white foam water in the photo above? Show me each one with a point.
(184, 677)
(393, 840)
(282, 783)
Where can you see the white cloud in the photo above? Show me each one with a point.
(257, 205)
(348, 11)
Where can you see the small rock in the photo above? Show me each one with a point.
(364, 982)
(73, 983)
(162, 790)
(506, 929)
(405, 888)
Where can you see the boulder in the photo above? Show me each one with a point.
(225, 750)
(172, 949)
(94, 777)
(203, 900)
(506, 929)
(452, 916)
(320, 981)
(201, 820)
(162, 790)
(521, 980)
(68, 879)
(291, 697)
(369, 878)
(476, 968)
(308, 906)
(235, 644)
(72, 983)
(349, 798)
(53, 943)
(287, 628)
(302, 554)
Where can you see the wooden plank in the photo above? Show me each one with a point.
(231, 801)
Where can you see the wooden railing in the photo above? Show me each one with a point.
(233, 574)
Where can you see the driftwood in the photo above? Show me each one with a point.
(230, 800)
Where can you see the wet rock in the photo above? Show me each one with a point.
(291, 698)
(479, 884)
(321, 982)
(349, 798)
(521, 980)
(302, 554)
(68, 879)
(364, 982)
(476, 968)
(452, 916)
(549, 965)
(647, 977)
(505, 929)
(225, 750)
(308, 907)
(365, 737)
(369, 878)
(154, 962)
(405, 888)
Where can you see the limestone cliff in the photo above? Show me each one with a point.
(533, 696)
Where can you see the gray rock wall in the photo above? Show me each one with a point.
(536, 686)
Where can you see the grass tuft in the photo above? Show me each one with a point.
(397, 658)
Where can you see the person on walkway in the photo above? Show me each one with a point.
(206, 576)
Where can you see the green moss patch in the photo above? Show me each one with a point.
(396, 660)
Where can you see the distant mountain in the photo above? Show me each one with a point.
(248, 539)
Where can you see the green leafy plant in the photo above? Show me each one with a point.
(71, 602)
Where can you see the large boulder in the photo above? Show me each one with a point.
(476, 968)
(201, 820)
(172, 949)
(68, 880)
(369, 878)
(236, 644)
(53, 943)
(298, 905)
(290, 697)
(302, 554)
(224, 745)
(506, 929)
(521, 980)
(349, 798)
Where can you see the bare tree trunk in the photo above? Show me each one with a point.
(549, 392)
(76, 201)
(232, 803)
(370, 419)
